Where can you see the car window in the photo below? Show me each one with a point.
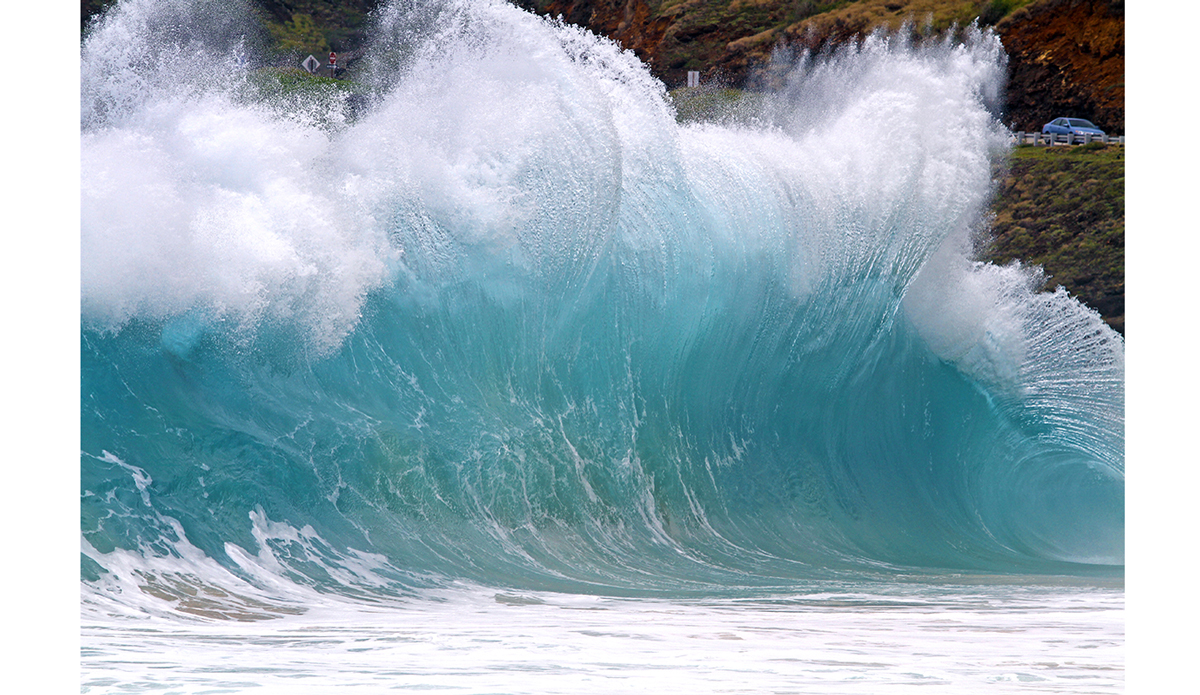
(1080, 123)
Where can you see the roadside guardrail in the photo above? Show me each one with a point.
(1024, 138)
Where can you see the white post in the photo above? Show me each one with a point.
(693, 78)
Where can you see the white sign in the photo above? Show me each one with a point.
(310, 63)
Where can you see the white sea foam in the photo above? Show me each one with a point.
(849, 640)
(226, 209)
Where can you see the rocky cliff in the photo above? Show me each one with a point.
(1066, 57)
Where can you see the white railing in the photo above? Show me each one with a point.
(1024, 138)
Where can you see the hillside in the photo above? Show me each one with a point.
(1063, 208)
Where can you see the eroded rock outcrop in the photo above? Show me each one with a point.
(1066, 58)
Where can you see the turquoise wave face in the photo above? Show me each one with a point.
(511, 323)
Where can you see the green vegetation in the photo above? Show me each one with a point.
(716, 104)
(1063, 208)
(993, 11)
(316, 25)
(297, 82)
(315, 99)
(298, 35)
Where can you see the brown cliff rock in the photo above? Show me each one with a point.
(1066, 58)
(631, 23)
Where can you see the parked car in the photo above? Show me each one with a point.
(1071, 126)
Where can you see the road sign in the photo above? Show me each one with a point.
(310, 63)
(332, 58)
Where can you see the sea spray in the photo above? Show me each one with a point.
(509, 322)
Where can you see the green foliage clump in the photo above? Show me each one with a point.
(993, 11)
(714, 104)
(310, 99)
(299, 35)
(294, 81)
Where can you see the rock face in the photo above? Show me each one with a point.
(1066, 58)
(631, 23)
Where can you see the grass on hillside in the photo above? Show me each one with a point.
(316, 99)
(714, 104)
(1063, 208)
(288, 81)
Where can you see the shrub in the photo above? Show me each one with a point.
(300, 35)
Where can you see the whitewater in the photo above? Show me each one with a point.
(492, 373)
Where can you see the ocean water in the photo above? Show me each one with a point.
(496, 377)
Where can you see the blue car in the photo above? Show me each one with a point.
(1071, 126)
